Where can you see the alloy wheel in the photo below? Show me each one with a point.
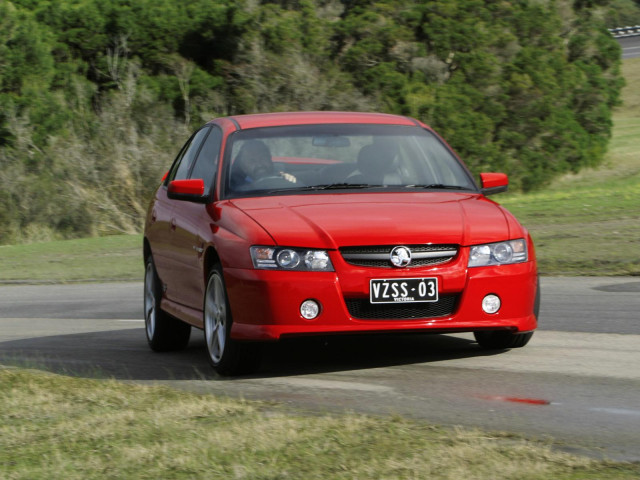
(150, 301)
(215, 318)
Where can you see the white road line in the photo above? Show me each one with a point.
(326, 384)
(25, 328)
(566, 353)
(617, 411)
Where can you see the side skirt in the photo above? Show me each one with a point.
(189, 315)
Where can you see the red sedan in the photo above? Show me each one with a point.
(290, 224)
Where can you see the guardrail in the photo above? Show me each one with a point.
(625, 31)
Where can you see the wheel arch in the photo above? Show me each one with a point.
(211, 257)
(146, 249)
(536, 303)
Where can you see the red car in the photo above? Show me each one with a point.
(287, 224)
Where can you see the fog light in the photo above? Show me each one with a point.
(491, 303)
(309, 309)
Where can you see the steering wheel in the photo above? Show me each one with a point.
(271, 181)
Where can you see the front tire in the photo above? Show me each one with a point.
(164, 332)
(226, 356)
(502, 339)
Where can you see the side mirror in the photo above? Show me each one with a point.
(191, 190)
(494, 183)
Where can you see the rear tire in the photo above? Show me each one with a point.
(501, 339)
(164, 332)
(226, 355)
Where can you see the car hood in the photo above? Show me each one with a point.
(333, 221)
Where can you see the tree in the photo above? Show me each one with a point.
(96, 95)
(525, 86)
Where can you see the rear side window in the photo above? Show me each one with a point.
(207, 161)
(183, 163)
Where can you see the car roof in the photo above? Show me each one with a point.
(311, 118)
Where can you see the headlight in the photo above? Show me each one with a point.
(501, 253)
(285, 258)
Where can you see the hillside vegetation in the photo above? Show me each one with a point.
(589, 223)
(96, 96)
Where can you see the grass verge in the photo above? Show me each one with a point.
(60, 427)
(114, 258)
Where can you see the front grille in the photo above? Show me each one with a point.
(380, 255)
(361, 308)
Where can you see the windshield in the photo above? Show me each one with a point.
(314, 158)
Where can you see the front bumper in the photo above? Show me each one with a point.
(266, 304)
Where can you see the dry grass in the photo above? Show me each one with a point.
(57, 427)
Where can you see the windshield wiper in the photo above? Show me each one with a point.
(349, 186)
(436, 186)
(331, 186)
(341, 186)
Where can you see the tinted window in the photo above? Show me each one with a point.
(205, 167)
(184, 162)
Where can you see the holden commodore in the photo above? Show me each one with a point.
(321, 223)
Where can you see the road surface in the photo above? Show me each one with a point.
(578, 380)
(630, 46)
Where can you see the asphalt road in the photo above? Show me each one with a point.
(630, 46)
(578, 380)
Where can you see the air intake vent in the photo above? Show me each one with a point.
(362, 309)
(380, 256)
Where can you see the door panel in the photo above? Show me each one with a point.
(187, 252)
(158, 232)
(187, 244)
(175, 272)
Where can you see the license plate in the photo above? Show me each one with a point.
(403, 290)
